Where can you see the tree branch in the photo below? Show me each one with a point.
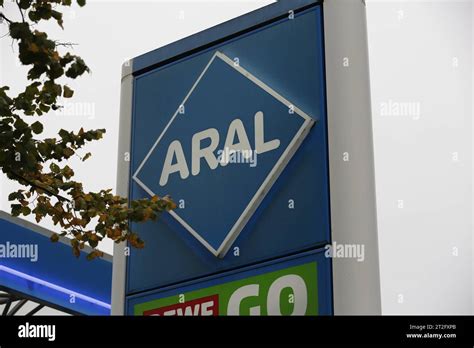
(5, 18)
(65, 44)
(59, 197)
(21, 11)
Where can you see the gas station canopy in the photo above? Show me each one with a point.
(33, 268)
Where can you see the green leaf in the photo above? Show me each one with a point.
(37, 127)
(44, 10)
(55, 71)
(67, 152)
(25, 211)
(44, 149)
(77, 68)
(20, 124)
(81, 2)
(58, 16)
(94, 254)
(33, 16)
(15, 195)
(16, 209)
(36, 71)
(67, 172)
(86, 156)
(64, 134)
(67, 92)
(24, 4)
(19, 30)
(93, 243)
(54, 168)
(54, 237)
(44, 108)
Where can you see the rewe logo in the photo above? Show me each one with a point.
(227, 111)
(205, 306)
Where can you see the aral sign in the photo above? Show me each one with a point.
(231, 136)
(289, 291)
(260, 130)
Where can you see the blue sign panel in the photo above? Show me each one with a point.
(215, 147)
(235, 132)
(298, 285)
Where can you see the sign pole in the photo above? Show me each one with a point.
(123, 176)
(356, 285)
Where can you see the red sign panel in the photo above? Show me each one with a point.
(204, 306)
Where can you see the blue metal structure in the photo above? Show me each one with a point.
(34, 267)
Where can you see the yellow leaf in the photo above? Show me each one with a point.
(55, 56)
(33, 47)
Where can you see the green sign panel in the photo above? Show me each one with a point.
(289, 291)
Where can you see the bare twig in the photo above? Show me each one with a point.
(66, 44)
(21, 11)
(5, 18)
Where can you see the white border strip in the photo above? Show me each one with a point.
(172, 118)
(54, 286)
(119, 267)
